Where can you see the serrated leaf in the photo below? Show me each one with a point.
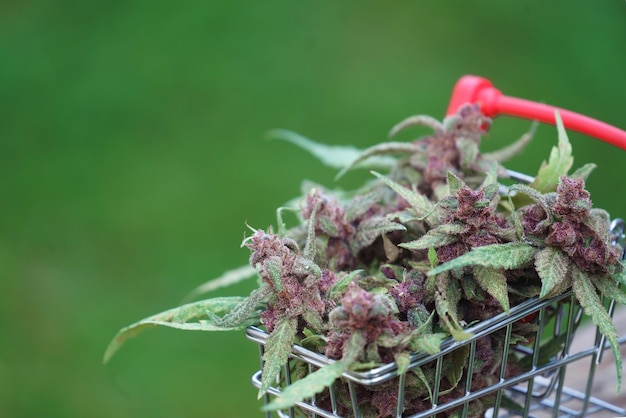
(438, 237)
(360, 205)
(609, 288)
(493, 281)
(446, 299)
(179, 318)
(428, 343)
(559, 162)
(586, 295)
(432, 257)
(552, 266)
(454, 365)
(403, 361)
(620, 275)
(454, 183)
(335, 156)
(370, 229)
(228, 278)
(337, 289)
(425, 381)
(320, 379)
(505, 256)
(277, 350)
(421, 205)
(274, 267)
(308, 386)
(242, 312)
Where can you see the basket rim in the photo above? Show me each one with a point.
(389, 370)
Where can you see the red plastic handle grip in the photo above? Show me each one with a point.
(479, 90)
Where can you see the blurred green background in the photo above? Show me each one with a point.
(132, 153)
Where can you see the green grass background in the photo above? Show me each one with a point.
(132, 153)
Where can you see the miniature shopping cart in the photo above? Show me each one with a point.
(538, 390)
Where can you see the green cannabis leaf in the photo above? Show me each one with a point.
(447, 296)
(493, 281)
(420, 204)
(504, 256)
(320, 379)
(558, 164)
(277, 350)
(180, 318)
(553, 267)
(586, 295)
(442, 235)
(372, 228)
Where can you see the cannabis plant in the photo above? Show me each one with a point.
(411, 259)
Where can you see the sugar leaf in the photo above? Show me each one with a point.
(493, 281)
(454, 365)
(320, 379)
(552, 265)
(586, 295)
(418, 202)
(620, 275)
(428, 343)
(277, 350)
(240, 313)
(609, 288)
(424, 380)
(559, 162)
(454, 183)
(432, 257)
(446, 299)
(307, 386)
(360, 205)
(438, 237)
(403, 361)
(179, 317)
(337, 289)
(506, 256)
(370, 229)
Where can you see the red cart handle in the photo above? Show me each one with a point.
(479, 90)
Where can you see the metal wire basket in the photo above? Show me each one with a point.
(539, 388)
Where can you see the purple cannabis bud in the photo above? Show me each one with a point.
(366, 312)
(564, 235)
(291, 277)
(409, 293)
(572, 200)
(534, 219)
